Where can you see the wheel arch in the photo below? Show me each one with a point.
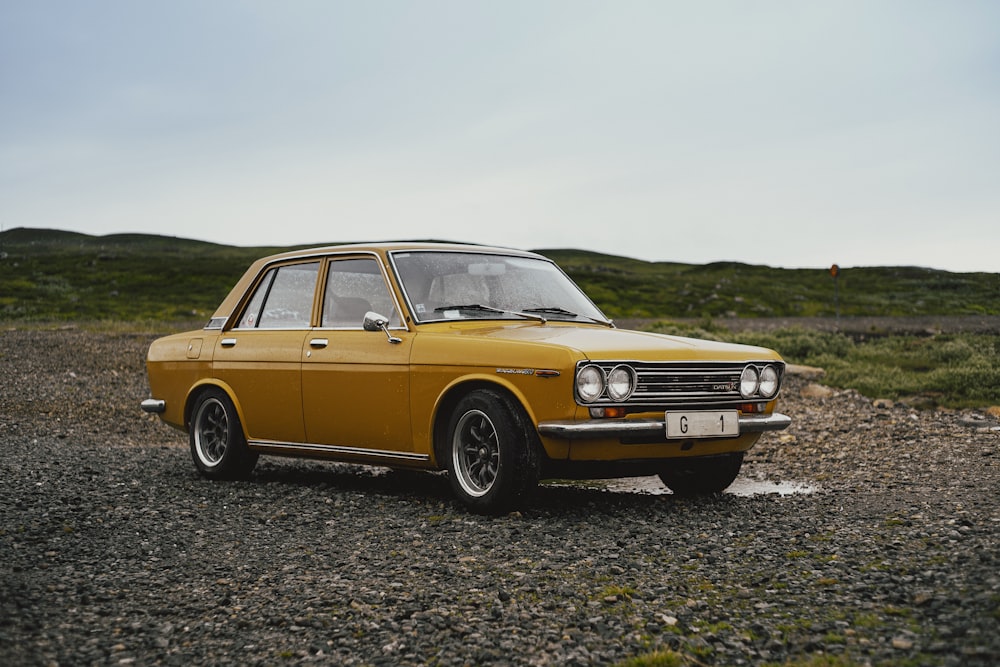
(449, 399)
(196, 392)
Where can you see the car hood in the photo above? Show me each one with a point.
(601, 343)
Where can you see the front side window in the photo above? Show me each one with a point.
(283, 299)
(464, 285)
(355, 287)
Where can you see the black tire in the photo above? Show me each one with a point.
(492, 453)
(218, 446)
(702, 476)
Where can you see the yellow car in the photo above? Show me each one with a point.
(489, 363)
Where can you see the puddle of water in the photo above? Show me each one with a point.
(741, 487)
(650, 486)
(760, 487)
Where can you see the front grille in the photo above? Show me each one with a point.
(684, 383)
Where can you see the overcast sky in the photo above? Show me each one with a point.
(787, 133)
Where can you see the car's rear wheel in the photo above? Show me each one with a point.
(492, 452)
(702, 475)
(218, 446)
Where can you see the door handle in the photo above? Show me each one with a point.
(319, 342)
(228, 342)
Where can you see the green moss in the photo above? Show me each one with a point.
(655, 659)
(620, 592)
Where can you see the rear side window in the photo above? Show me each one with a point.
(283, 299)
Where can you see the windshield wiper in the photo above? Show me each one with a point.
(552, 310)
(490, 309)
(556, 310)
(470, 306)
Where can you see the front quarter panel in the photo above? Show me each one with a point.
(447, 365)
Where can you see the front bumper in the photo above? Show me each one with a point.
(629, 428)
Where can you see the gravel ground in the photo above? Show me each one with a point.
(113, 550)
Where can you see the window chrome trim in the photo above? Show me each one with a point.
(494, 252)
(247, 297)
(358, 328)
(387, 279)
(323, 254)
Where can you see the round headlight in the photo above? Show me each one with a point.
(749, 381)
(621, 382)
(768, 382)
(590, 383)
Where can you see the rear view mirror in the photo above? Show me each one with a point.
(375, 322)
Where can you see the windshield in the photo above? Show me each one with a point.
(463, 285)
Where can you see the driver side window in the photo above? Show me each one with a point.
(353, 288)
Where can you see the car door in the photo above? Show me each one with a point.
(355, 383)
(260, 357)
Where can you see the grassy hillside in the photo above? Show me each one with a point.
(54, 275)
(629, 288)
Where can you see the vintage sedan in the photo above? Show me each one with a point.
(488, 363)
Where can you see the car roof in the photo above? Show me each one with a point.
(395, 246)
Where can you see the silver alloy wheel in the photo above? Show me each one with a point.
(211, 432)
(475, 451)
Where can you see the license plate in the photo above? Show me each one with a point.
(719, 424)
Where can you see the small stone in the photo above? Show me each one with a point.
(816, 391)
(808, 372)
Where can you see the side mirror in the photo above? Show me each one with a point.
(375, 322)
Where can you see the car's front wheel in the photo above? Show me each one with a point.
(492, 452)
(702, 475)
(218, 446)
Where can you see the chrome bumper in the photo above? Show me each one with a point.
(153, 406)
(624, 428)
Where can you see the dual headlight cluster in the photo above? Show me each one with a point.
(592, 382)
(759, 382)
